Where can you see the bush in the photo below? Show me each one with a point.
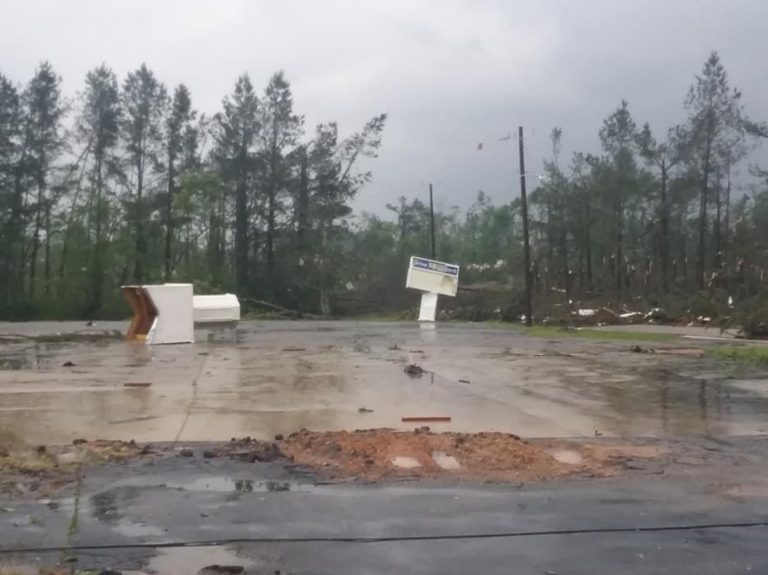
(752, 315)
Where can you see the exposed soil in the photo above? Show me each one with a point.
(374, 454)
(367, 455)
(41, 470)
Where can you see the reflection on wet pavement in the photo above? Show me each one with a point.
(242, 383)
(230, 485)
(193, 559)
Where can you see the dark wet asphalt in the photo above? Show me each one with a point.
(183, 500)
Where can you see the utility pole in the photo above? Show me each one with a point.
(432, 221)
(526, 237)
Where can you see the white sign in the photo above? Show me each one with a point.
(433, 276)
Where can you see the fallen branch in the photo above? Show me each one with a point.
(278, 308)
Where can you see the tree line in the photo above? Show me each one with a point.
(129, 183)
(656, 212)
(652, 216)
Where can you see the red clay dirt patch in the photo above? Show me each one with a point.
(489, 456)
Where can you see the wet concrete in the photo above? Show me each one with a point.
(266, 378)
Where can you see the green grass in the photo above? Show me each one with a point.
(587, 333)
(741, 353)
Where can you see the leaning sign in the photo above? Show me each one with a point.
(433, 278)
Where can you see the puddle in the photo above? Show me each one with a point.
(136, 529)
(194, 559)
(229, 485)
(748, 490)
(243, 391)
(104, 507)
(32, 360)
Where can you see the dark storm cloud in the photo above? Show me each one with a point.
(450, 73)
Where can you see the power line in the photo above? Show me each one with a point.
(393, 539)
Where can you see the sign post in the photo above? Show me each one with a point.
(433, 278)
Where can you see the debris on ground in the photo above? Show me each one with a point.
(692, 351)
(426, 419)
(598, 316)
(221, 570)
(414, 370)
(84, 336)
(394, 347)
(294, 349)
(367, 455)
(364, 410)
(631, 317)
(640, 349)
(656, 315)
(103, 450)
(376, 454)
(137, 384)
(67, 364)
(41, 469)
(464, 381)
(250, 450)
(41, 459)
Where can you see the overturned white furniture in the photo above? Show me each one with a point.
(433, 278)
(167, 313)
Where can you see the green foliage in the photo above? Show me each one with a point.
(251, 201)
(757, 354)
(607, 334)
(708, 303)
(752, 315)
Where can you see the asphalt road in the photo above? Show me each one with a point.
(269, 520)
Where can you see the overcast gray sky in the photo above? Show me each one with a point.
(450, 73)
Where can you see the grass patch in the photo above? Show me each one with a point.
(587, 333)
(742, 353)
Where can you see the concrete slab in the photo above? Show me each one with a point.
(445, 461)
(568, 456)
(405, 462)
(277, 377)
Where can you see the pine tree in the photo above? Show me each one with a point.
(44, 111)
(712, 138)
(144, 102)
(618, 136)
(280, 130)
(180, 148)
(98, 131)
(235, 131)
(11, 232)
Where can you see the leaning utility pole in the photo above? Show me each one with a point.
(432, 221)
(526, 237)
